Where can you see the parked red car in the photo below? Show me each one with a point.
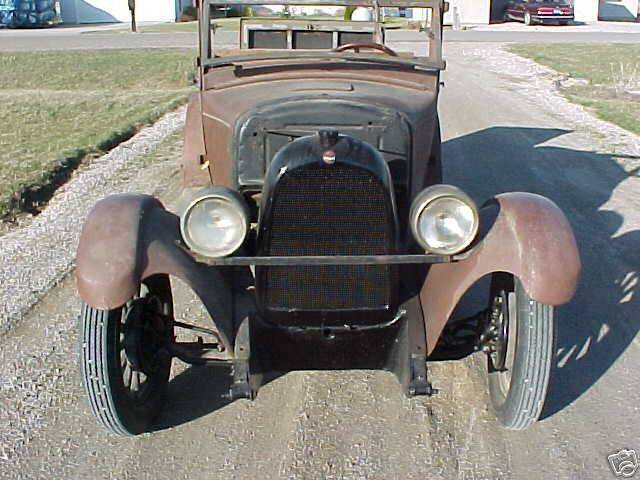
(556, 12)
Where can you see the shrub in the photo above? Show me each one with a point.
(189, 14)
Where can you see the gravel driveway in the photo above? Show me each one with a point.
(502, 131)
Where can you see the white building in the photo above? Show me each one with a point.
(105, 11)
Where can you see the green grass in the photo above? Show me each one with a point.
(608, 77)
(401, 23)
(57, 108)
(232, 23)
(189, 27)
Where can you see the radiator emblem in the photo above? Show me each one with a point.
(329, 157)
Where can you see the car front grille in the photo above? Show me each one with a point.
(328, 210)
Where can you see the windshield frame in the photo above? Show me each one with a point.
(433, 36)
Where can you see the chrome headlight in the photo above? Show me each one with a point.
(444, 220)
(214, 221)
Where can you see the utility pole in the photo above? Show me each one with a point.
(132, 9)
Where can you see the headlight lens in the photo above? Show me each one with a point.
(444, 220)
(446, 223)
(214, 224)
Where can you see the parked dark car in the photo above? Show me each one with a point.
(315, 227)
(548, 12)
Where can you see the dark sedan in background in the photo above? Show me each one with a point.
(556, 12)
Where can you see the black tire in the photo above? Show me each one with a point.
(563, 23)
(518, 393)
(120, 408)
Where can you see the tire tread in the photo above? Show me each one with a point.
(524, 401)
(96, 379)
(536, 369)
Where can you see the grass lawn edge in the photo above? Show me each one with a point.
(597, 68)
(32, 198)
(62, 111)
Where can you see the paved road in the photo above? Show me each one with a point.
(498, 136)
(84, 37)
(64, 40)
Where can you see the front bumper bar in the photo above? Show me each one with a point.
(308, 260)
(551, 16)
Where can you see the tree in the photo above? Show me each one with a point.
(348, 11)
(132, 9)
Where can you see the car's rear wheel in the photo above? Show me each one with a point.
(124, 358)
(527, 18)
(520, 353)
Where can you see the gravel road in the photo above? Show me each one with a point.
(507, 131)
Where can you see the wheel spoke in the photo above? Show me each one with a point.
(143, 382)
(141, 320)
(135, 381)
(126, 375)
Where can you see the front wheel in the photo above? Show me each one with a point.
(520, 354)
(124, 359)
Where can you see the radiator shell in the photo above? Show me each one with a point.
(311, 207)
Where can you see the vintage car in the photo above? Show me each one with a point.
(316, 229)
(556, 12)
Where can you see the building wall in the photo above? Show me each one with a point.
(618, 10)
(585, 10)
(469, 12)
(100, 11)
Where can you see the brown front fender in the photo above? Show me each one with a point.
(524, 234)
(127, 238)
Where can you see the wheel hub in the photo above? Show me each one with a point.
(495, 339)
(144, 334)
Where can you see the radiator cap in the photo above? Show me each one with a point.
(328, 138)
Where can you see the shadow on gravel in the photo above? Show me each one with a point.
(197, 392)
(597, 326)
(194, 393)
